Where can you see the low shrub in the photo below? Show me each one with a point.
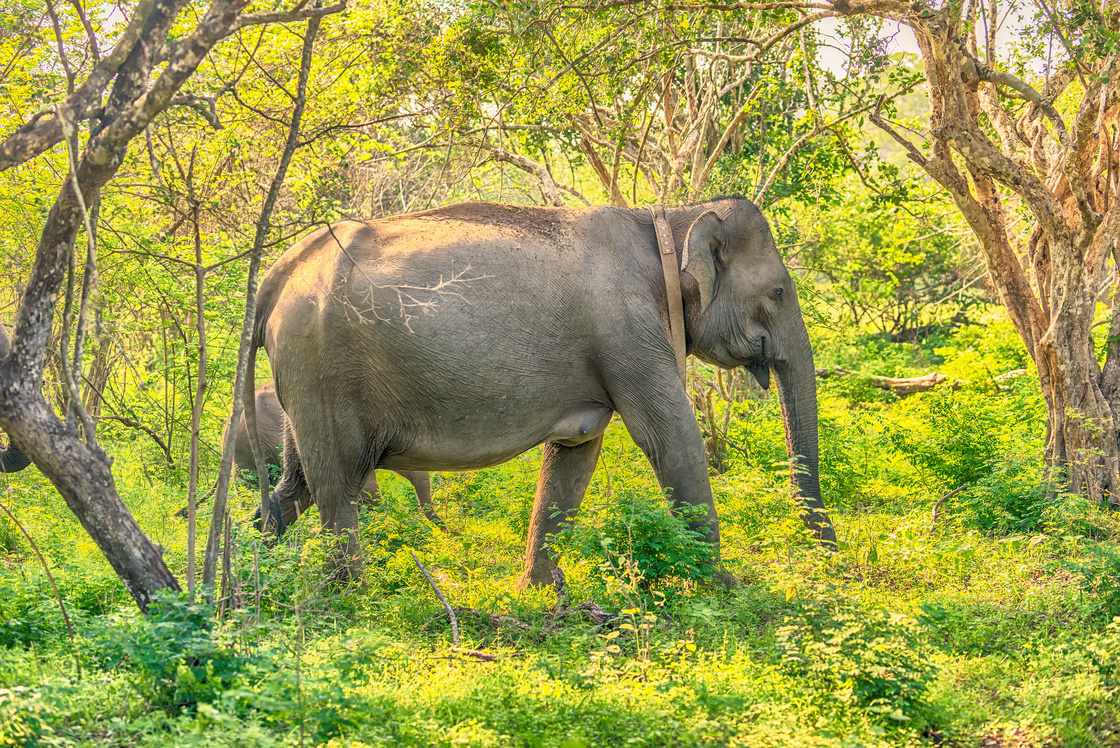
(638, 525)
(870, 658)
(174, 651)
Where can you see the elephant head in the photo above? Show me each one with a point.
(742, 310)
(12, 458)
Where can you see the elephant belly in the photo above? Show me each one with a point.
(577, 428)
(471, 449)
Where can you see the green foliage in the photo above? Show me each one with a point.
(872, 659)
(174, 651)
(899, 269)
(1015, 497)
(1072, 695)
(1099, 572)
(962, 442)
(637, 526)
(29, 613)
(25, 719)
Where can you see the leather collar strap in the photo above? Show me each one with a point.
(667, 250)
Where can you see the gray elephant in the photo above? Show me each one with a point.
(270, 428)
(12, 458)
(458, 338)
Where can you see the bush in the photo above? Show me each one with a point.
(955, 437)
(872, 659)
(639, 526)
(24, 719)
(29, 613)
(1099, 572)
(174, 651)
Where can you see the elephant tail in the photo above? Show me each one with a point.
(13, 459)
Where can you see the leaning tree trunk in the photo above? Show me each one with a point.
(81, 470)
(1065, 176)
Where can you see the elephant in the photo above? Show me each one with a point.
(270, 428)
(460, 337)
(12, 458)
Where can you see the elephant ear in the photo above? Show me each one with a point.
(703, 239)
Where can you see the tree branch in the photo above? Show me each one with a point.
(532, 167)
(41, 135)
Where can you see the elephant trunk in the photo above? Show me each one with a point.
(13, 459)
(797, 392)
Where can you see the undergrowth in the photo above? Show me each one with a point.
(993, 619)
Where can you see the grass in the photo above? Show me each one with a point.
(992, 626)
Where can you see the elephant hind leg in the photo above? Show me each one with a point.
(421, 482)
(335, 470)
(370, 496)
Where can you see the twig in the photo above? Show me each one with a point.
(137, 425)
(937, 505)
(50, 577)
(442, 599)
(484, 656)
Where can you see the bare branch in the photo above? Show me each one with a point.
(298, 13)
(204, 105)
(41, 135)
(91, 37)
(726, 136)
(817, 130)
(532, 167)
(768, 44)
(442, 599)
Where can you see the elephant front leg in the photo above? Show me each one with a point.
(564, 478)
(664, 427)
(345, 556)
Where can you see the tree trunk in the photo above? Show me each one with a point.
(1081, 445)
(80, 470)
(1063, 176)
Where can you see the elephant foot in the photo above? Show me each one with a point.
(437, 520)
(346, 567)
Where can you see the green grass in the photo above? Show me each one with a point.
(993, 624)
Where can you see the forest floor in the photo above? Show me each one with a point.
(992, 625)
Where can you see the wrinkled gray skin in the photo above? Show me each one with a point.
(270, 428)
(12, 458)
(458, 338)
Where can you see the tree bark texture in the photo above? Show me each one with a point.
(1064, 176)
(81, 471)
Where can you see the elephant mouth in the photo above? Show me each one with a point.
(757, 365)
(760, 370)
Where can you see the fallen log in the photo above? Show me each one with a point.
(901, 386)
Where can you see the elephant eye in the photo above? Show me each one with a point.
(778, 293)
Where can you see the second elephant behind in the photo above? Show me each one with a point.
(270, 428)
